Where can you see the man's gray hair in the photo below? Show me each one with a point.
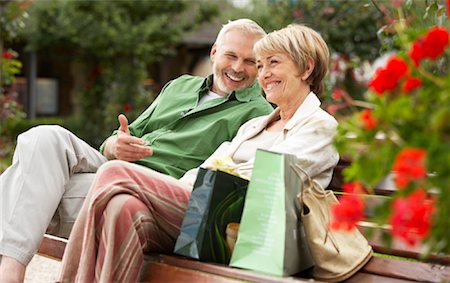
(245, 25)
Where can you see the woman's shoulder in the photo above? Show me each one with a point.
(325, 116)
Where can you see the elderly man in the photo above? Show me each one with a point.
(181, 128)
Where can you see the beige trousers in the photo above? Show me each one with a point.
(45, 185)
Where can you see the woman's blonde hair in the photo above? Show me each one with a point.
(302, 44)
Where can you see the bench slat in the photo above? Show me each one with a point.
(384, 267)
(52, 247)
(399, 248)
(408, 270)
(371, 278)
(160, 272)
(222, 270)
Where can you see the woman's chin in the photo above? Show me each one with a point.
(271, 98)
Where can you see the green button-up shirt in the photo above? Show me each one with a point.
(183, 134)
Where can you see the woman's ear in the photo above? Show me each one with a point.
(308, 71)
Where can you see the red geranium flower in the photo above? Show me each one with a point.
(411, 83)
(127, 107)
(436, 42)
(409, 166)
(353, 188)
(349, 210)
(7, 55)
(432, 45)
(448, 8)
(23, 5)
(367, 119)
(387, 78)
(297, 13)
(397, 3)
(337, 93)
(94, 72)
(333, 108)
(411, 217)
(417, 52)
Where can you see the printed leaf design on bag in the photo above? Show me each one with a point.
(227, 211)
(216, 200)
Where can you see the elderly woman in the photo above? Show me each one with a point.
(131, 210)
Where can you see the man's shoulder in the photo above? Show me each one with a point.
(261, 102)
(187, 81)
(252, 94)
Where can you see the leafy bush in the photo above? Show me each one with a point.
(12, 15)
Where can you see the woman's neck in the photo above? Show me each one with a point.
(288, 109)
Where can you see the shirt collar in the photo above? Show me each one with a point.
(242, 95)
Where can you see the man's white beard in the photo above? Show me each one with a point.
(219, 82)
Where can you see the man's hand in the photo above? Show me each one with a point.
(125, 146)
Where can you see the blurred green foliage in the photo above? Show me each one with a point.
(144, 30)
(12, 17)
(349, 27)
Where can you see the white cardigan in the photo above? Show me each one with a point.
(308, 135)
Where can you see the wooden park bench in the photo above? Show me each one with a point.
(396, 263)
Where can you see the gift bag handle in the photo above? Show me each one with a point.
(316, 189)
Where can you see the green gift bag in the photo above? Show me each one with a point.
(271, 237)
(217, 200)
